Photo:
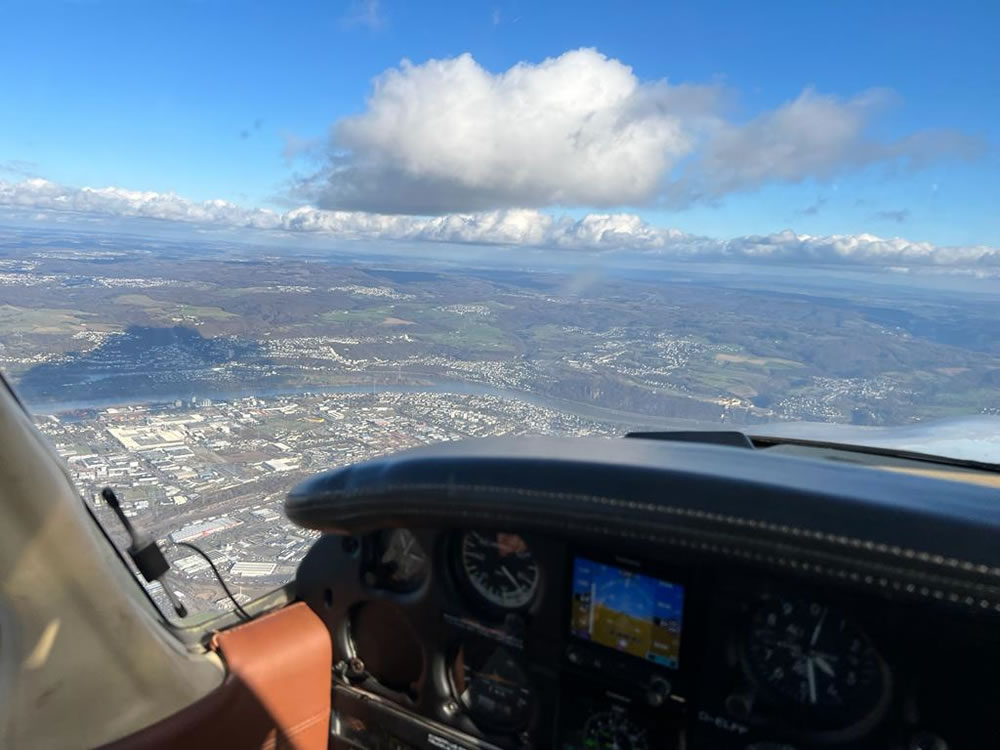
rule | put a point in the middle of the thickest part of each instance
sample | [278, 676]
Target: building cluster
[214, 473]
[833, 399]
[386, 292]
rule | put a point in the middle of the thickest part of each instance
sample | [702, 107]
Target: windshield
[244, 243]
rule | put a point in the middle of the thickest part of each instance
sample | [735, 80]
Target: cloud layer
[582, 130]
[597, 232]
[448, 135]
[44, 195]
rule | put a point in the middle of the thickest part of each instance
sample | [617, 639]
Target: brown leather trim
[276, 694]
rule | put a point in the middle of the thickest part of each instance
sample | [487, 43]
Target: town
[215, 473]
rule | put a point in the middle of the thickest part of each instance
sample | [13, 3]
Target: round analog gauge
[499, 567]
[492, 686]
[812, 655]
[400, 563]
[613, 730]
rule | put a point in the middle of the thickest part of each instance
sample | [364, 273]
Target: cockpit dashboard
[491, 634]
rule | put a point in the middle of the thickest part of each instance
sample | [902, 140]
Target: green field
[362, 316]
[163, 309]
[15, 320]
[749, 359]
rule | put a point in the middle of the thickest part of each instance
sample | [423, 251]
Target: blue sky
[198, 98]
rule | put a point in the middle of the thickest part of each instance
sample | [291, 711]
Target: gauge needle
[823, 664]
[819, 626]
[506, 572]
[811, 673]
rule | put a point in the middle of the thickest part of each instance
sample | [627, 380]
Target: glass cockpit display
[628, 611]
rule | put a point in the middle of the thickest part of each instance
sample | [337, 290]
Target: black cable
[243, 613]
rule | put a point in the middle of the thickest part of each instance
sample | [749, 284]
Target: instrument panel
[497, 569]
[463, 638]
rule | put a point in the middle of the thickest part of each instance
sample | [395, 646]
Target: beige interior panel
[84, 657]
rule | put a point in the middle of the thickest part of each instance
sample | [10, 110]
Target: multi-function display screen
[627, 611]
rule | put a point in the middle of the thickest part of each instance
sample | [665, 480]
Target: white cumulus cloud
[870, 249]
[447, 135]
[813, 136]
[44, 201]
[42, 194]
[581, 129]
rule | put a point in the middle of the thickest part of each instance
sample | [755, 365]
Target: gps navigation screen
[627, 611]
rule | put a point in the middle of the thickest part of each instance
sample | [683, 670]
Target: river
[587, 411]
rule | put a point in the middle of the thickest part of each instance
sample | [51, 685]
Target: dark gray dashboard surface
[928, 537]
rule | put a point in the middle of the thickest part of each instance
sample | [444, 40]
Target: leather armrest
[276, 693]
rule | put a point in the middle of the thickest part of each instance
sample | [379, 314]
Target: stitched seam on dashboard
[716, 537]
[886, 579]
[784, 529]
[870, 574]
